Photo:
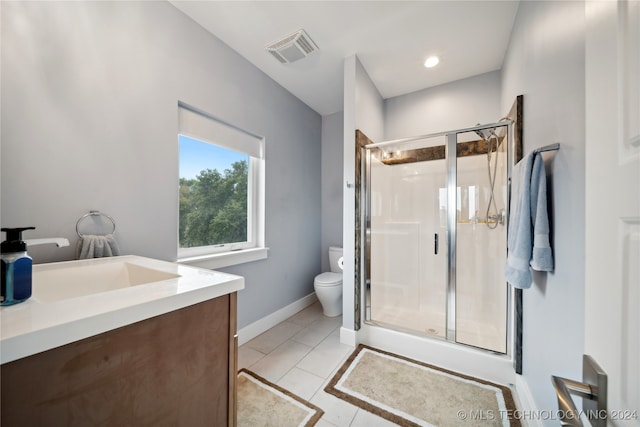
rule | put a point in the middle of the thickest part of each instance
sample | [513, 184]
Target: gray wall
[454, 105]
[89, 121]
[369, 105]
[363, 110]
[332, 185]
[546, 62]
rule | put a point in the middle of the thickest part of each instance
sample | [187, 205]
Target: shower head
[486, 134]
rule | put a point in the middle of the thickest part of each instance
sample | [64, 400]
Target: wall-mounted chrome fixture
[59, 241]
[94, 213]
[593, 391]
[550, 147]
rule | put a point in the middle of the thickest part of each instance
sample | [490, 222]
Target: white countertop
[33, 326]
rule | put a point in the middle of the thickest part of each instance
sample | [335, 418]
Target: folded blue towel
[528, 235]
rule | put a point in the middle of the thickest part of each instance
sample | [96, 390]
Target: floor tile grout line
[326, 340]
[316, 390]
[274, 349]
[311, 348]
[298, 362]
[302, 327]
[289, 370]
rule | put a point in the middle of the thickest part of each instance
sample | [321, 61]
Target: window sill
[226, 259]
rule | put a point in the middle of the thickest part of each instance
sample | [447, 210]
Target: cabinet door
[172, 369]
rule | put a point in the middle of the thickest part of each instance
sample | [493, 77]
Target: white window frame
[202, 126]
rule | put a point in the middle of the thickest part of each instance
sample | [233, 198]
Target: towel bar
[593, 391]
[94, 213]
[550, 147]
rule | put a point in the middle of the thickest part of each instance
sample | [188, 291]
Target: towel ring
[94, 213]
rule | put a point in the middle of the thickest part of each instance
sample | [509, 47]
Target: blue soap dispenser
[16, 267]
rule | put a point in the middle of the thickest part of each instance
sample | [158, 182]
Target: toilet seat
[328, 279]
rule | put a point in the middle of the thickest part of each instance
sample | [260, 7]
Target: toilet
[328, 285]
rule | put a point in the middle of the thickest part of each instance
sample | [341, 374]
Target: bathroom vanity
[159, 347]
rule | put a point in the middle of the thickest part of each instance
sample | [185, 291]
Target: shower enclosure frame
[513, 152]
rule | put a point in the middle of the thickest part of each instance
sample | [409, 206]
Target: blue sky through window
[196, 156]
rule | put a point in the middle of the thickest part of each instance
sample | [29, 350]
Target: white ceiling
[391, 39]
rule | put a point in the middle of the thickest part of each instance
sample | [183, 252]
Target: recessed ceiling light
[431, 61]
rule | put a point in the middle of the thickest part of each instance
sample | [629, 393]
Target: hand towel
[528, 235]
[92, 246]
[541, 257]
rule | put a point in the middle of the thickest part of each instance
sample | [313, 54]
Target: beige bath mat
[411, 393]
[262, 403]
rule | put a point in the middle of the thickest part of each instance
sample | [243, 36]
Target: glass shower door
[407, 268]
[481, 235]
[436, 236]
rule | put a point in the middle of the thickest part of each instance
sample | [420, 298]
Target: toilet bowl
[328, 286]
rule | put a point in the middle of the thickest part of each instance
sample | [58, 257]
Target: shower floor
[427, 321]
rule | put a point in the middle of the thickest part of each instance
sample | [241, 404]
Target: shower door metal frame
[451, 141]
[451, 159]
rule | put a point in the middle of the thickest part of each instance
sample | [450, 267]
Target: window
[221, 212]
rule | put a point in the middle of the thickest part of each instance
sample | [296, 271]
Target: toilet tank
[335, 253]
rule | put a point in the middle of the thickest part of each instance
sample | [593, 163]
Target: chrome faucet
[59, 241]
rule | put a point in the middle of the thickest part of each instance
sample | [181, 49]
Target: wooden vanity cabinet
[176, 369]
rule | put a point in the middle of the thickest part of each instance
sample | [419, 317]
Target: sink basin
[69, 280]
[73, 300]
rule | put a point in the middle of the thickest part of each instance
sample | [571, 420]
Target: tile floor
[302, 354]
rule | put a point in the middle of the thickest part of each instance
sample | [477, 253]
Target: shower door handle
[435, 244]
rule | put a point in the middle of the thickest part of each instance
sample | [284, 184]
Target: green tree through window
[213, 206]
[221, 191]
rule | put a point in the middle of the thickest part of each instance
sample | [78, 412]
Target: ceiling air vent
[292, 48]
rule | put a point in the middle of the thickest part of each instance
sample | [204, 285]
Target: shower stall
[433, 212]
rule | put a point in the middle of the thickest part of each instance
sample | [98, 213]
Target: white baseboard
[526, 404]
[348, 336]
[259, 326]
